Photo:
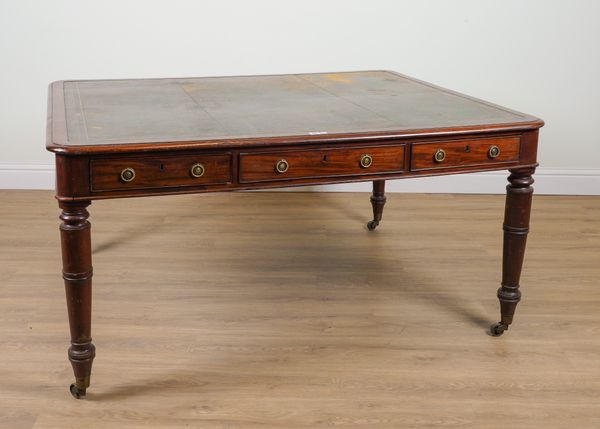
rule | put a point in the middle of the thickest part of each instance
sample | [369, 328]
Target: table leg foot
[498, 329]
[77, 392]
[372, 224]
[377, 201]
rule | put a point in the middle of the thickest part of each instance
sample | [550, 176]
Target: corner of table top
[56, 127]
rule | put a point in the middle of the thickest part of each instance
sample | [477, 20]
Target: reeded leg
[77, 273]
[377, 201]
[516, 227]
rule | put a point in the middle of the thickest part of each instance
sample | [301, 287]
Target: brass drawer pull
[366, 161]
[439, 155]
[127, 175]
[281, 166]
[494, 152]
[197, 170]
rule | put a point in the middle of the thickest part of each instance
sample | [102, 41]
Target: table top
[239, 110]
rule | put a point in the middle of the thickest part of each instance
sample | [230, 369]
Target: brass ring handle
[197, 170]
[494, 152]
[366, 161]
[439, 155]
[282, 166]
[127, 174]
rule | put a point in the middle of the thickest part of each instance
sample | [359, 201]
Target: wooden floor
[280, 310]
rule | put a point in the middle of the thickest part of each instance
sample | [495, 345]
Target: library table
[147, 137]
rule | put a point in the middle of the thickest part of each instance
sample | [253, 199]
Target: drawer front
[159, 172]
[464, 153]
[300, 164]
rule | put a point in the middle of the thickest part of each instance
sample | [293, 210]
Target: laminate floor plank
[280, 310]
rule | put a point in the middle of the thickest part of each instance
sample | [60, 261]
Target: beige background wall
[541, 57]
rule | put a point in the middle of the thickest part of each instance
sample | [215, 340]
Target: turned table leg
[516, 226]
[77, 273]
[377, 201]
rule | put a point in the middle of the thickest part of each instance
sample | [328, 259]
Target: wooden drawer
[159, 171]
[314, 163]
[464, 153]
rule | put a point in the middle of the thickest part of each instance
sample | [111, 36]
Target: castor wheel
[498, 329]
[77, 392]
[372, 224]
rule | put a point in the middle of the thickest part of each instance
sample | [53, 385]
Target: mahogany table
[133, 138]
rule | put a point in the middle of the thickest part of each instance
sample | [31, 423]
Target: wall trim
[26, 176]
[548, 181]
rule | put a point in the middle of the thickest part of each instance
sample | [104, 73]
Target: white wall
[537, 56]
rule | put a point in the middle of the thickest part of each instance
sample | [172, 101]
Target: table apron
[122, 175]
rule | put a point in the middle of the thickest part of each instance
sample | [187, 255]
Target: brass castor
[498, 329]
[372, 224]
[77, 392]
